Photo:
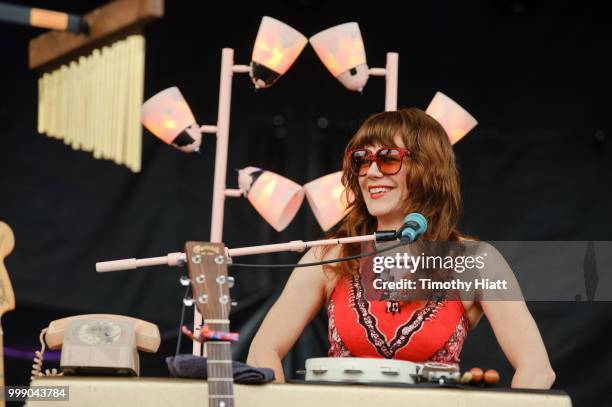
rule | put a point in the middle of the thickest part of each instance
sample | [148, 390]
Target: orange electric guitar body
[7, 297]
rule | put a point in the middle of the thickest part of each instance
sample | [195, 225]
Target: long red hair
[432, 179]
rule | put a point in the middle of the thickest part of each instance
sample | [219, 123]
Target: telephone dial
[98, 344]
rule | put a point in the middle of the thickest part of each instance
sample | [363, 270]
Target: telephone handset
[147, 334]
[99, 344]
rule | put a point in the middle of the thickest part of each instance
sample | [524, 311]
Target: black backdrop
[537, 167]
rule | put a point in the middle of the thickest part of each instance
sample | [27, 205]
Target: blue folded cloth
[194, 367]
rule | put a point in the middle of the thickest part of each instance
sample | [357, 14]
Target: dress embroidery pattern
[404, 332]
[449, 353]
[428, 331]
[337, 348]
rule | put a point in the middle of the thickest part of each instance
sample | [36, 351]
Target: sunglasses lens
[360, 162]
[389, 161]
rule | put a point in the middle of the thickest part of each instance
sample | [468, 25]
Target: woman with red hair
[397, 163]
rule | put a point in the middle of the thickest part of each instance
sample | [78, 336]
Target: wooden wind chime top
[106, 24]
[91, 81]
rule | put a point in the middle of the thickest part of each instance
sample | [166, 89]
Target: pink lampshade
[276, 198]
[341, 50]
[276, 48]
[167, 114]
[456, 120]
[327, 199]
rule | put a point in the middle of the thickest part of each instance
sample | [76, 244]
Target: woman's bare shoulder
[315, 255]
[473, 309]
[328, 278]
[320, 254]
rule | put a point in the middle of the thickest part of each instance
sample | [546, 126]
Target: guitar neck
[220, 374]
[2, 402]
[7, 297]
[210, 286]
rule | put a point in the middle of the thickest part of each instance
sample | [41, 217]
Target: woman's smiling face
[385, 195]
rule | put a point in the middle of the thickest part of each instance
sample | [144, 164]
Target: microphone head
[418, 219]
[415, 225]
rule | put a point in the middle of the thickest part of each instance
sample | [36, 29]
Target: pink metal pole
[223, 122]
[222, 129]
[391, 81]
[390, 72]
[175, 259]
[218, 196]
[377, 71]
[171, 259]
[208, 129]
[295, 246]
[234, 193]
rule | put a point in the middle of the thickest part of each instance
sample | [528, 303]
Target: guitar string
[220, 352]
[226, 346]
[214, 370]
[182, 321]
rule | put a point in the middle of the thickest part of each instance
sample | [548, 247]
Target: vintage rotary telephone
[100, 344]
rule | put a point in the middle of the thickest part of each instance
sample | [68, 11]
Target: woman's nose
[374, 171]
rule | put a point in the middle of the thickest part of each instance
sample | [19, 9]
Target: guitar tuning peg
[234, 303]
[185, 281]
[188, 301]
[230, 281]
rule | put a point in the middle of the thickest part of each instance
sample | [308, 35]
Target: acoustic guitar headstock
[210, 283]
[7, 243]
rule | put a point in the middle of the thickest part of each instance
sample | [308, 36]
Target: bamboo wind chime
[93, 104]
[91, 86]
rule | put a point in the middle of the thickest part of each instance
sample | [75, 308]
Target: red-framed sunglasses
[388, 160]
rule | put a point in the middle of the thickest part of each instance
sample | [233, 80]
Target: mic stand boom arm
[178, 259]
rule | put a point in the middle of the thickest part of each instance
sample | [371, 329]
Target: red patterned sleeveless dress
[420, 331]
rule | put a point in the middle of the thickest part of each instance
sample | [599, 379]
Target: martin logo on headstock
[210, 285]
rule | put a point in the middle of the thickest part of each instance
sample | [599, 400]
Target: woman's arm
[520, 340]
[301, 299]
